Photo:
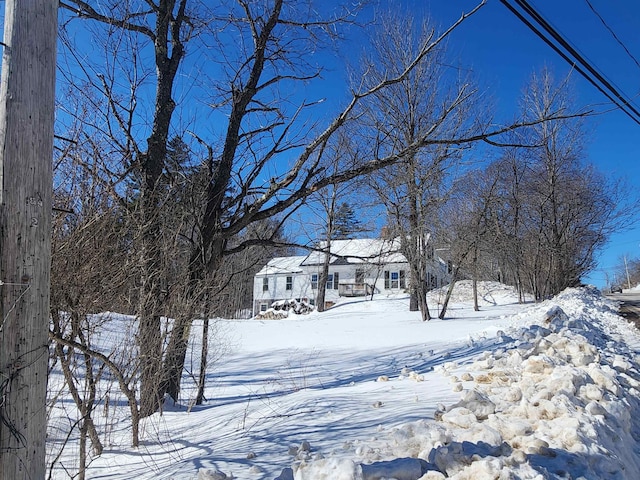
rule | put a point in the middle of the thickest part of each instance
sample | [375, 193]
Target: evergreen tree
[345, 223]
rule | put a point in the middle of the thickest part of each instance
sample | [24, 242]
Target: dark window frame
[395, 279]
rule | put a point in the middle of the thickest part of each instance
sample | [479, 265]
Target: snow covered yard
[368, 391]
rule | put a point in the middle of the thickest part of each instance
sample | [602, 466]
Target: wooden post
[27, 93]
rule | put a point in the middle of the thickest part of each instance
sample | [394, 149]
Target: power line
[612, 33]
[579, 58]
[554, 46]
[577, 55]
[577, 61]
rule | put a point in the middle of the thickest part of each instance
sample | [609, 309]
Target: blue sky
[503, 53]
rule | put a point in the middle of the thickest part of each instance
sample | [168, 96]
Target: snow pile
[557, 399]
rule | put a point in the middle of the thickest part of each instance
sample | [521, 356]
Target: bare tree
[429, 102]
[94, 239]
[626, 272]
[508, 221]
[555, 210]
[468, 230]
[329, 206]
[165, 27]
[84, 392]
[88, 277]
[576, 207]
[327, 202]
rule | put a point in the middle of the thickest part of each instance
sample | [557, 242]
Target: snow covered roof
[282, 265]
[363, 250]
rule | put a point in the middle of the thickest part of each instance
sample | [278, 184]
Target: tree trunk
[169, 52]
[322, 280]
[150, 345]
[175, 356]
[413, 299]
[330, 207]
[203, 359]
[85, 406]
[418, 286]
[445, 304]
[415, 258]
[422, 297]
[27, 94]
[82, 455]
[474, 282]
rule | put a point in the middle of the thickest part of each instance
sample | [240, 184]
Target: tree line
[536, 215]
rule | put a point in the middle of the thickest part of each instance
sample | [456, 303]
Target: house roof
[344, 252]
[353, 251]
[282, 265]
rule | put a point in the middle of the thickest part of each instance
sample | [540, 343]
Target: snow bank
[557, 399]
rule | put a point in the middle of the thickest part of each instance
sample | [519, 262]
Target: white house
[357, 268]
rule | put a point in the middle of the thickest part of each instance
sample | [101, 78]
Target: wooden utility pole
[27, 93]
[626, 268]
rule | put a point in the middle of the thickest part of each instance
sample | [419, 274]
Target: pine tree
[345, 223]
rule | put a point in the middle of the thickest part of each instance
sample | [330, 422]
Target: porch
[354, 289]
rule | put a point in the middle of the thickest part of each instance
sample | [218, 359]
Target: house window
[314, 281]
[289, 285]
[394, 279]
[263, 307]
[359, 275]
[332, 281]
[265, 284]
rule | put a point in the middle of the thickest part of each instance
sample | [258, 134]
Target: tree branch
[83, 9]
